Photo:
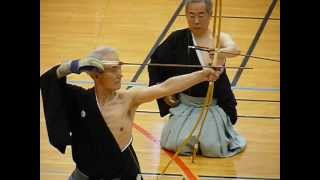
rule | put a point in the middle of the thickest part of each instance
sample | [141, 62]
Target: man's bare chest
[116, 114]
[118, 120]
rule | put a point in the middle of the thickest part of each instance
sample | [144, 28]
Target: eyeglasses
[201, 16]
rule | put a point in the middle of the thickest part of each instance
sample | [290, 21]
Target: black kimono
[73, 118]
[174, 50]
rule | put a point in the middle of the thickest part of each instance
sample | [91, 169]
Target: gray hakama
[217, 139]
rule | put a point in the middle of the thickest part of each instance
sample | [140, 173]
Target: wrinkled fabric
[218, 137]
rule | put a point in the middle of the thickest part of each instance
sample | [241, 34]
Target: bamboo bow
[208, 99]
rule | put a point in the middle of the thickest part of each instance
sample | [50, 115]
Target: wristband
[74, 67]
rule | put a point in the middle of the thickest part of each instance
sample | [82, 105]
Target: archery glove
[78, 66]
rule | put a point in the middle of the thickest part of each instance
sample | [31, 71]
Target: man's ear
[93, 75]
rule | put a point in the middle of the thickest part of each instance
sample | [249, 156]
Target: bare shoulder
[124, 97]
[227, 40]
[123, 94]
[130, 96]
[225, 35]
[133, 92]
[140, 95]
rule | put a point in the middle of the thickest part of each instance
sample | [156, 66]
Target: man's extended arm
[173, 85]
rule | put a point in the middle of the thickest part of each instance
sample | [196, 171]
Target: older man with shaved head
[97, 122]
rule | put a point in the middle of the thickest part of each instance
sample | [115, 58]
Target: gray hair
[101, 52]
[208, 4]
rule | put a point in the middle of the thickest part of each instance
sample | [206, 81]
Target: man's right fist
[86, 64]
[77, 66]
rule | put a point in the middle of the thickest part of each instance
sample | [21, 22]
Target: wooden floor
[72, 28]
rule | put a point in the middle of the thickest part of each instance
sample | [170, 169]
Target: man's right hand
[86, 64]
[77, 66]
[171, 100]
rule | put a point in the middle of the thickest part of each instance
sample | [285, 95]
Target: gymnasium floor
[71, 29]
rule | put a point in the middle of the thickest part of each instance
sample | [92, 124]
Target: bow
[214, 62]
[196, 130]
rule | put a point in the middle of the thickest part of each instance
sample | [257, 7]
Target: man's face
[197, 17]
[111, 77]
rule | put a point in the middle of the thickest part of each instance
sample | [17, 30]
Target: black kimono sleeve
[57, 105]
[226, 98]
[164, 54]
